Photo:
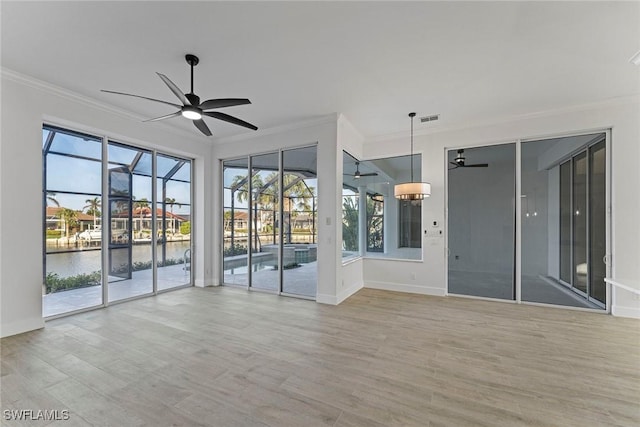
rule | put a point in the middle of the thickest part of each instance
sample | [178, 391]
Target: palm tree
[141, 204]
[51, 197]
[350, 223]
[70, 218]
[171, 202]
[92, 207]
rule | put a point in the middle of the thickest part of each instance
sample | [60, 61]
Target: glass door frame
[250, 206]
[518, 213]
[570, 159]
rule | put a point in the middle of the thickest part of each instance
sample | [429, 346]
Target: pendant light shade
[412, 190]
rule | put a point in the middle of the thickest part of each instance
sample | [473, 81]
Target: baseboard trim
[337, 299]
[621, 311]
[204, 283]
[402, 287]
[15, 328]
[349, 291]
[327, 299]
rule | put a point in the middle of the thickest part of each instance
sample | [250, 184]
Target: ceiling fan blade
[454, 164]
[168, 116]
[230, 119]
[223, 102]
[369, 174]
[477, 165]
[202, 127]
[143, 97]
[176, 91]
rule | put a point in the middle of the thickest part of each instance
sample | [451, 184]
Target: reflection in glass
[565, 222]
[597, 221]
[409, 223]
[481, 223]
[563, 215]
[580, 222]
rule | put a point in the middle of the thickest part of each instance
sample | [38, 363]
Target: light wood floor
[225, 357]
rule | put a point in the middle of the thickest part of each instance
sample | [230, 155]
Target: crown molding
[329, 118]
[611, 102]
[44, 86]
[65, 93]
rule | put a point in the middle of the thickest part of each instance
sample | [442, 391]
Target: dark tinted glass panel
[565, 222]
[580, 266]
[597, 221]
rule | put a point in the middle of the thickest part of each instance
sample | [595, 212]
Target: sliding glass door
[104, 227]
[481, 221]
[583, 222]
[269, 221]
[597, 248]
[264, 224]
[299, 198]
[562, 221]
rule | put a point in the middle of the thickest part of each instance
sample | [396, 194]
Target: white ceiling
[372, 61]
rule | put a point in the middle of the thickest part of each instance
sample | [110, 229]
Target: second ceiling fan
[191, 107]
[358, 174]
[459, 162]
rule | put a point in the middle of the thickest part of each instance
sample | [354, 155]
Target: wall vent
[429, 118]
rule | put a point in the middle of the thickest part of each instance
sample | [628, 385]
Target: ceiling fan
[459, 162]
[191, 107]
[359, 175]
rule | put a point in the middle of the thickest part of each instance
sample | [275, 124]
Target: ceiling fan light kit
[459, 162]
[191, 107]
[412, 190]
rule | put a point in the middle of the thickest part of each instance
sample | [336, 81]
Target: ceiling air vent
[429, 118]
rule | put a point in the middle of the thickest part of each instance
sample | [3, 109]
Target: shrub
[54, 234]
[236, 249]
[185, 227]
[55, 283]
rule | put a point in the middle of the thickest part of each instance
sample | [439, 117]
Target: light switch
[328, 220]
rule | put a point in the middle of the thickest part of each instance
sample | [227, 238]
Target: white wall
[619, 115]
[26, 104]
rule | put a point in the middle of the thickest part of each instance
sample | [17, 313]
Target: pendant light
[412, 190]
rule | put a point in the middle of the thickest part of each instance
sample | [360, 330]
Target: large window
[133, 225]
[409, 224]
[373, 220]
[350, 208]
